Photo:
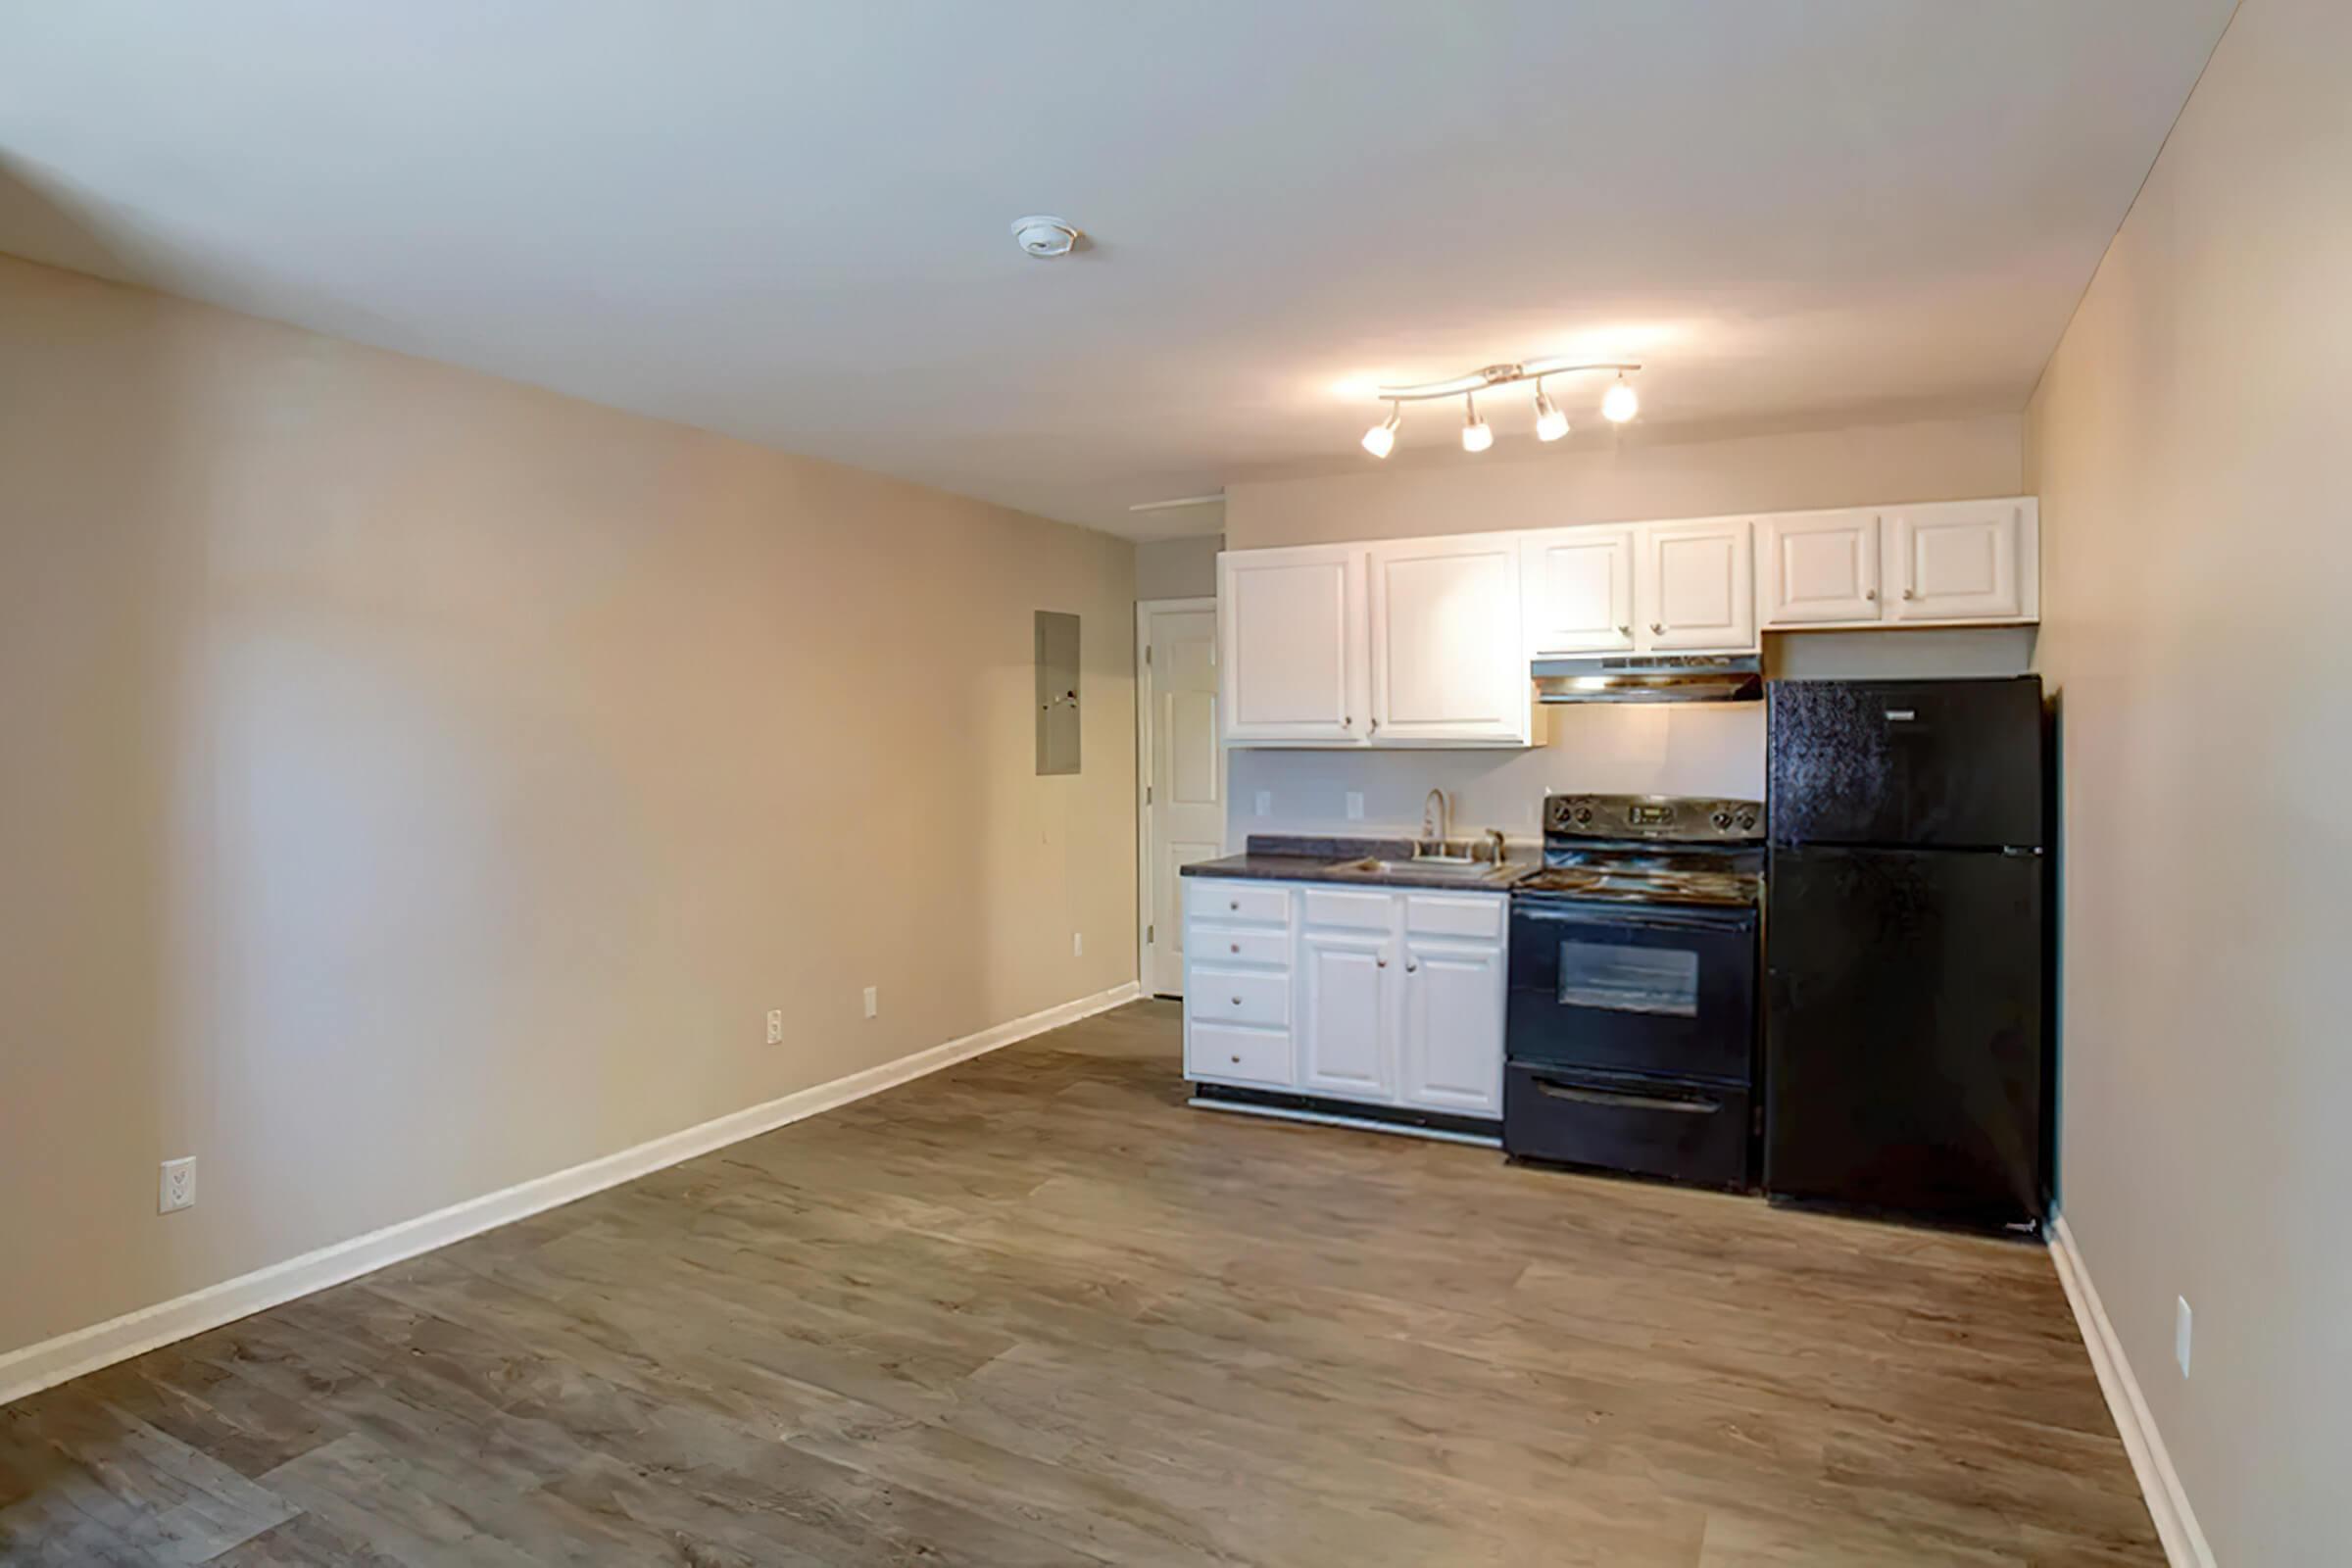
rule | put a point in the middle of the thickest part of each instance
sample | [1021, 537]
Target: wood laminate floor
[1033, 1310]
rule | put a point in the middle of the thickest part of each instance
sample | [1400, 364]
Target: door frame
[1145, 703]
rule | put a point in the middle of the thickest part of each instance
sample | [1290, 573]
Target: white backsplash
[1617, 749]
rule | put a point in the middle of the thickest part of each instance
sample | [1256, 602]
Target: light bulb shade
[1619, 403]
[1476, 435]
[1550, 422]
[1380, 440]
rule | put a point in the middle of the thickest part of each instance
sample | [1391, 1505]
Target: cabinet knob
[1625, 631]
[1382, 962]
[1412, 968]
[1910, 593]
[1656, 629]
[1870, 594]
[1234, 947]
[1376, 727]
[1237, 1062]
[1235, 905]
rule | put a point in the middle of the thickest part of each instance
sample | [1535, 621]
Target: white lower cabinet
[1381, 996]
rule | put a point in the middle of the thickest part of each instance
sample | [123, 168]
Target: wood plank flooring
[1033, 1312]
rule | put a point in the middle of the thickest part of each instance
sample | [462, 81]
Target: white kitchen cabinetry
[1965, 560]
[1818, 568]
[1448, 664]
[1388, 997]
[1579, 586]
[1952, 563]
[1407, 643]
[1695, 587]
[1292, 658]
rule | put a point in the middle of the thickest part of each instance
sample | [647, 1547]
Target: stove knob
[1584, 814]
[1723, 820]
[1747, 821]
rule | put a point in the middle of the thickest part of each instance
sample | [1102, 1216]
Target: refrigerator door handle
[2021, 852]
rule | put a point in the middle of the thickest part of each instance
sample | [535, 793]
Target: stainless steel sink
[1451, 870]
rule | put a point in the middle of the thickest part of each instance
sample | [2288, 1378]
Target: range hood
[1650, 678]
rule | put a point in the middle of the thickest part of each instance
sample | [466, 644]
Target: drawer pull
[1235, 947]
[1235, 905]
[1237, 1062]
[1599, 1096]
[1237, 1002]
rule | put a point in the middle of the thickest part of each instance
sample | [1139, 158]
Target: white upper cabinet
[1965, 560]
[1579, 591]
[1447, 663]
[1292, 659]
[1695, 587]
[1818, 568]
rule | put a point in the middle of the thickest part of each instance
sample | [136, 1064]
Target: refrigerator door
[1904, 1032]
[1914, 761]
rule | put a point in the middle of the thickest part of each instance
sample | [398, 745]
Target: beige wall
[1686, 750]
[1178, 568]
[2188, 443]
[1647, 477]
[413, 783]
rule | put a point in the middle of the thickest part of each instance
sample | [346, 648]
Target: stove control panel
[1681, 817]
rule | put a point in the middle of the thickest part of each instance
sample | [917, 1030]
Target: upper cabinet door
[1578, 590]
[1290, 643]
[1965, 561]
[1447, 663]
[1697, 587]
[1819, 568]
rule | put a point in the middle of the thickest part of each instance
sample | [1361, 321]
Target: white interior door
[1183, 772]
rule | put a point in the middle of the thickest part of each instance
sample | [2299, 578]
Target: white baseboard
[69, 1355]
[2168, 1504]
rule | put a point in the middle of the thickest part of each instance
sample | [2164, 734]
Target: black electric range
[1631, 1039]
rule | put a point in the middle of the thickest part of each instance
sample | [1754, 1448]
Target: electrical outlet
[873, 1001]
[2181, 1325]
[775, 1026]
[178, 1187]
[1077, 944]
[1355, 805]
[1266, 803]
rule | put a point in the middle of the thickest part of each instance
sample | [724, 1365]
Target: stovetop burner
[1651, 849]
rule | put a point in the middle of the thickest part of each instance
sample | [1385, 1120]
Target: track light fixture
[1477, 434]
[1619, 405]
[1550, 422]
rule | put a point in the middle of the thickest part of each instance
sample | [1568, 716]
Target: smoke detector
[1044, 238]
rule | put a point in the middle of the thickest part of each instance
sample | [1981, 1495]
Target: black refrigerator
[1905, 1039]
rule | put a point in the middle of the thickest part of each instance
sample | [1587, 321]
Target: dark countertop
[1286, 858]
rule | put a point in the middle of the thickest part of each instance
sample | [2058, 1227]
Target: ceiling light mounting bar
[1495, 375]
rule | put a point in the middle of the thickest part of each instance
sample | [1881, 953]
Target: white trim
[1330, 1118]
[69, 1356]
[2168, 1503]
[1145, 703]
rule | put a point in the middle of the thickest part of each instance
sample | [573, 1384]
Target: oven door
[1633, 988]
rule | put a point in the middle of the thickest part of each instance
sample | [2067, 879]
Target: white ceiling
[788, 222]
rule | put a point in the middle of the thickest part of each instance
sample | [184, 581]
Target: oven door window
[1621, 979]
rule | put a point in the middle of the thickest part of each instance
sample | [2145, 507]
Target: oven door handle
[1730, 923]
[1556, 1090]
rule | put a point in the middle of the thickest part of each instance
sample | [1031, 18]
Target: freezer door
[1904, 1036]
[1952, 763]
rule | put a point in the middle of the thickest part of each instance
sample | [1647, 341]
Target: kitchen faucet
[1437, 820]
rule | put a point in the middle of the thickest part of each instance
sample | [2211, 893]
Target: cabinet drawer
[1255, 902]
[1477, 917]
[1349, 911]
[1244, 1055]
[1238, 947]
[1238, 996]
